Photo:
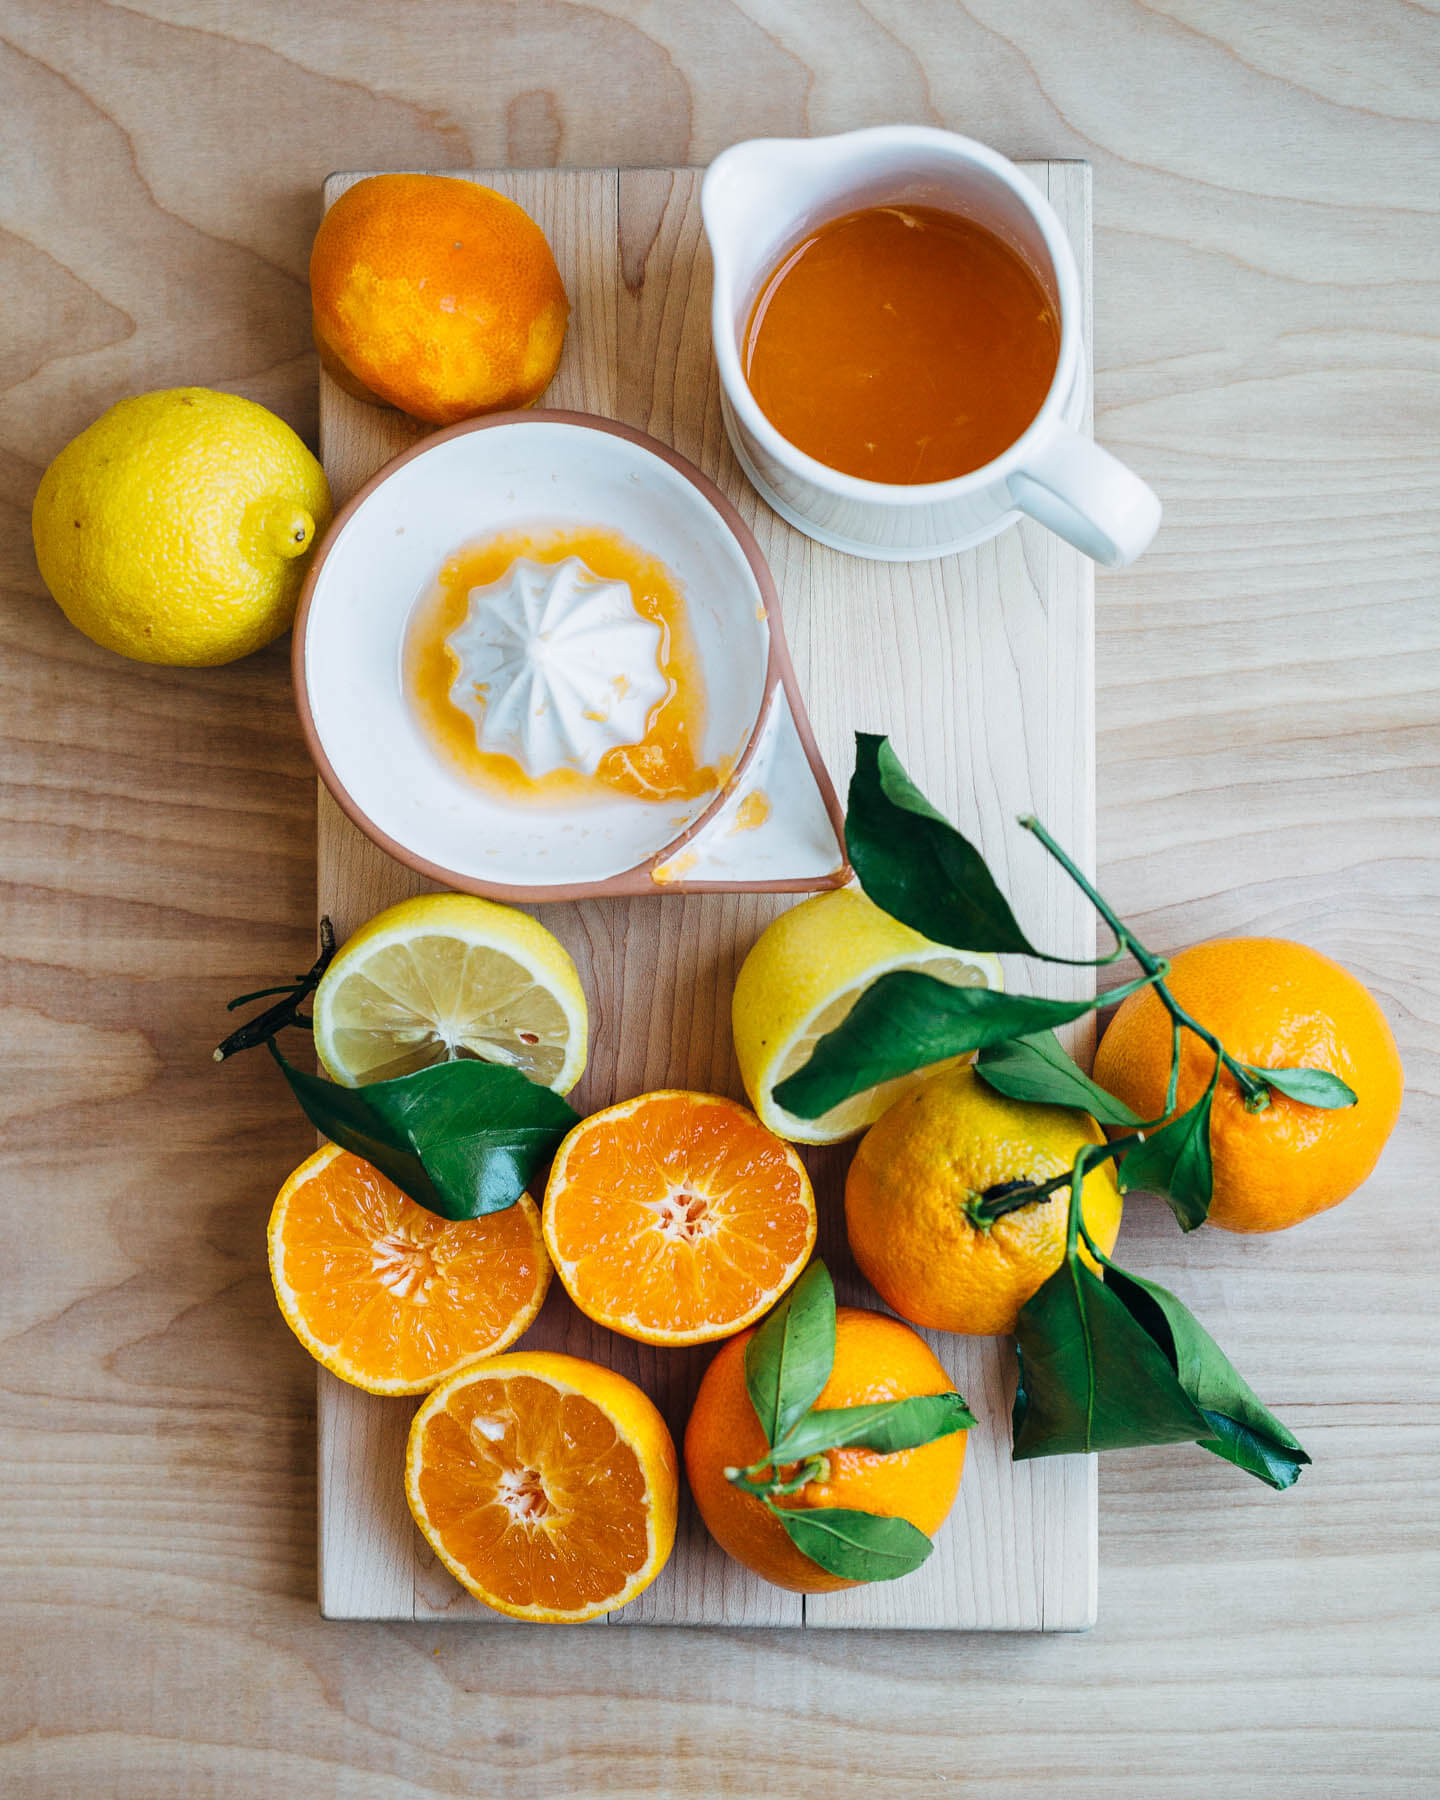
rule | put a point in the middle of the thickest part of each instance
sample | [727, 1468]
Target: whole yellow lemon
[177, 528]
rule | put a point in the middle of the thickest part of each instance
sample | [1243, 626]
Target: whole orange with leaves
[437, 296]
[1272, 1004]
[876, 1358]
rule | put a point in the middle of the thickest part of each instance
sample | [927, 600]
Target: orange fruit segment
[677, 1218]
[388, 1296]
[545, 1484]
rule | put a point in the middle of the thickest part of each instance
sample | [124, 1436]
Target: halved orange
[390, 1297]
[677, 1218]
[546, 1485]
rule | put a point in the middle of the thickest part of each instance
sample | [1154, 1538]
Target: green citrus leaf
[856, 1545]
[1175, 1163]
[914, 863]
[905, 1021]
[1036, 1068]
[790, 1357]
[462, 1138]
[1258, 1453]
[885, 1426]
[1311, 1087]
[1090, 1377]
[1242, 1430]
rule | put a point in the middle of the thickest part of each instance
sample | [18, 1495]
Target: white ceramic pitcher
[760, 198]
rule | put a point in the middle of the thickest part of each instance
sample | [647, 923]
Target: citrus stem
[1090, 1157]
[1172, 1086]
[982, 1210]
[1256, 1094]
[1004, 1197]
[286, 987]
[814, 1468]
[1100, 1257]
[1075, 1210]
[263, 1027]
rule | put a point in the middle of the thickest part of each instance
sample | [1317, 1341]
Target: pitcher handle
[1088, 497]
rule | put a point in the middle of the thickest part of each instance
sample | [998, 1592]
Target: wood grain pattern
[998, 644]
[1265, 187]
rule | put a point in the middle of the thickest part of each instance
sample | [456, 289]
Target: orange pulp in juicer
[664, 765]
[901, 344]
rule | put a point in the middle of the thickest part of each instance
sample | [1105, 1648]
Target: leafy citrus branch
[1257, 1095]
[915, 864]
[1112, 1361]
[460, 1138]
[266, 1026]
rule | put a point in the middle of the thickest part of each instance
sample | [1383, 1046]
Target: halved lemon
[803, 975]
[546, 1485]
[445, 976]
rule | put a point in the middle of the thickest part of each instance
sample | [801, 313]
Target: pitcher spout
[758, 197]
[748, 200]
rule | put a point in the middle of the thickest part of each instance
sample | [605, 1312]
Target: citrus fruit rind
[443, 976]
[390, 1297]
[546, 1485]
[800, 980]
[436, 295]
[676, 1217]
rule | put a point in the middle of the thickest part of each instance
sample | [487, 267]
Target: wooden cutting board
[981, 668]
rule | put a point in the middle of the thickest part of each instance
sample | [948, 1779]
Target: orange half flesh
[545, 1484]
[677, 1218]
[391, 1297]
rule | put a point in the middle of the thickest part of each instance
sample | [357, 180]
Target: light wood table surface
[1266, 296]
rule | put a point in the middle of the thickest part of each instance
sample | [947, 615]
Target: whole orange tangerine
[914, 1192]
[876, 1358]
[436, 295]
[1273, 1004]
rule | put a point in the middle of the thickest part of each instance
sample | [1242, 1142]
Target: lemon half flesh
[447, 976]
